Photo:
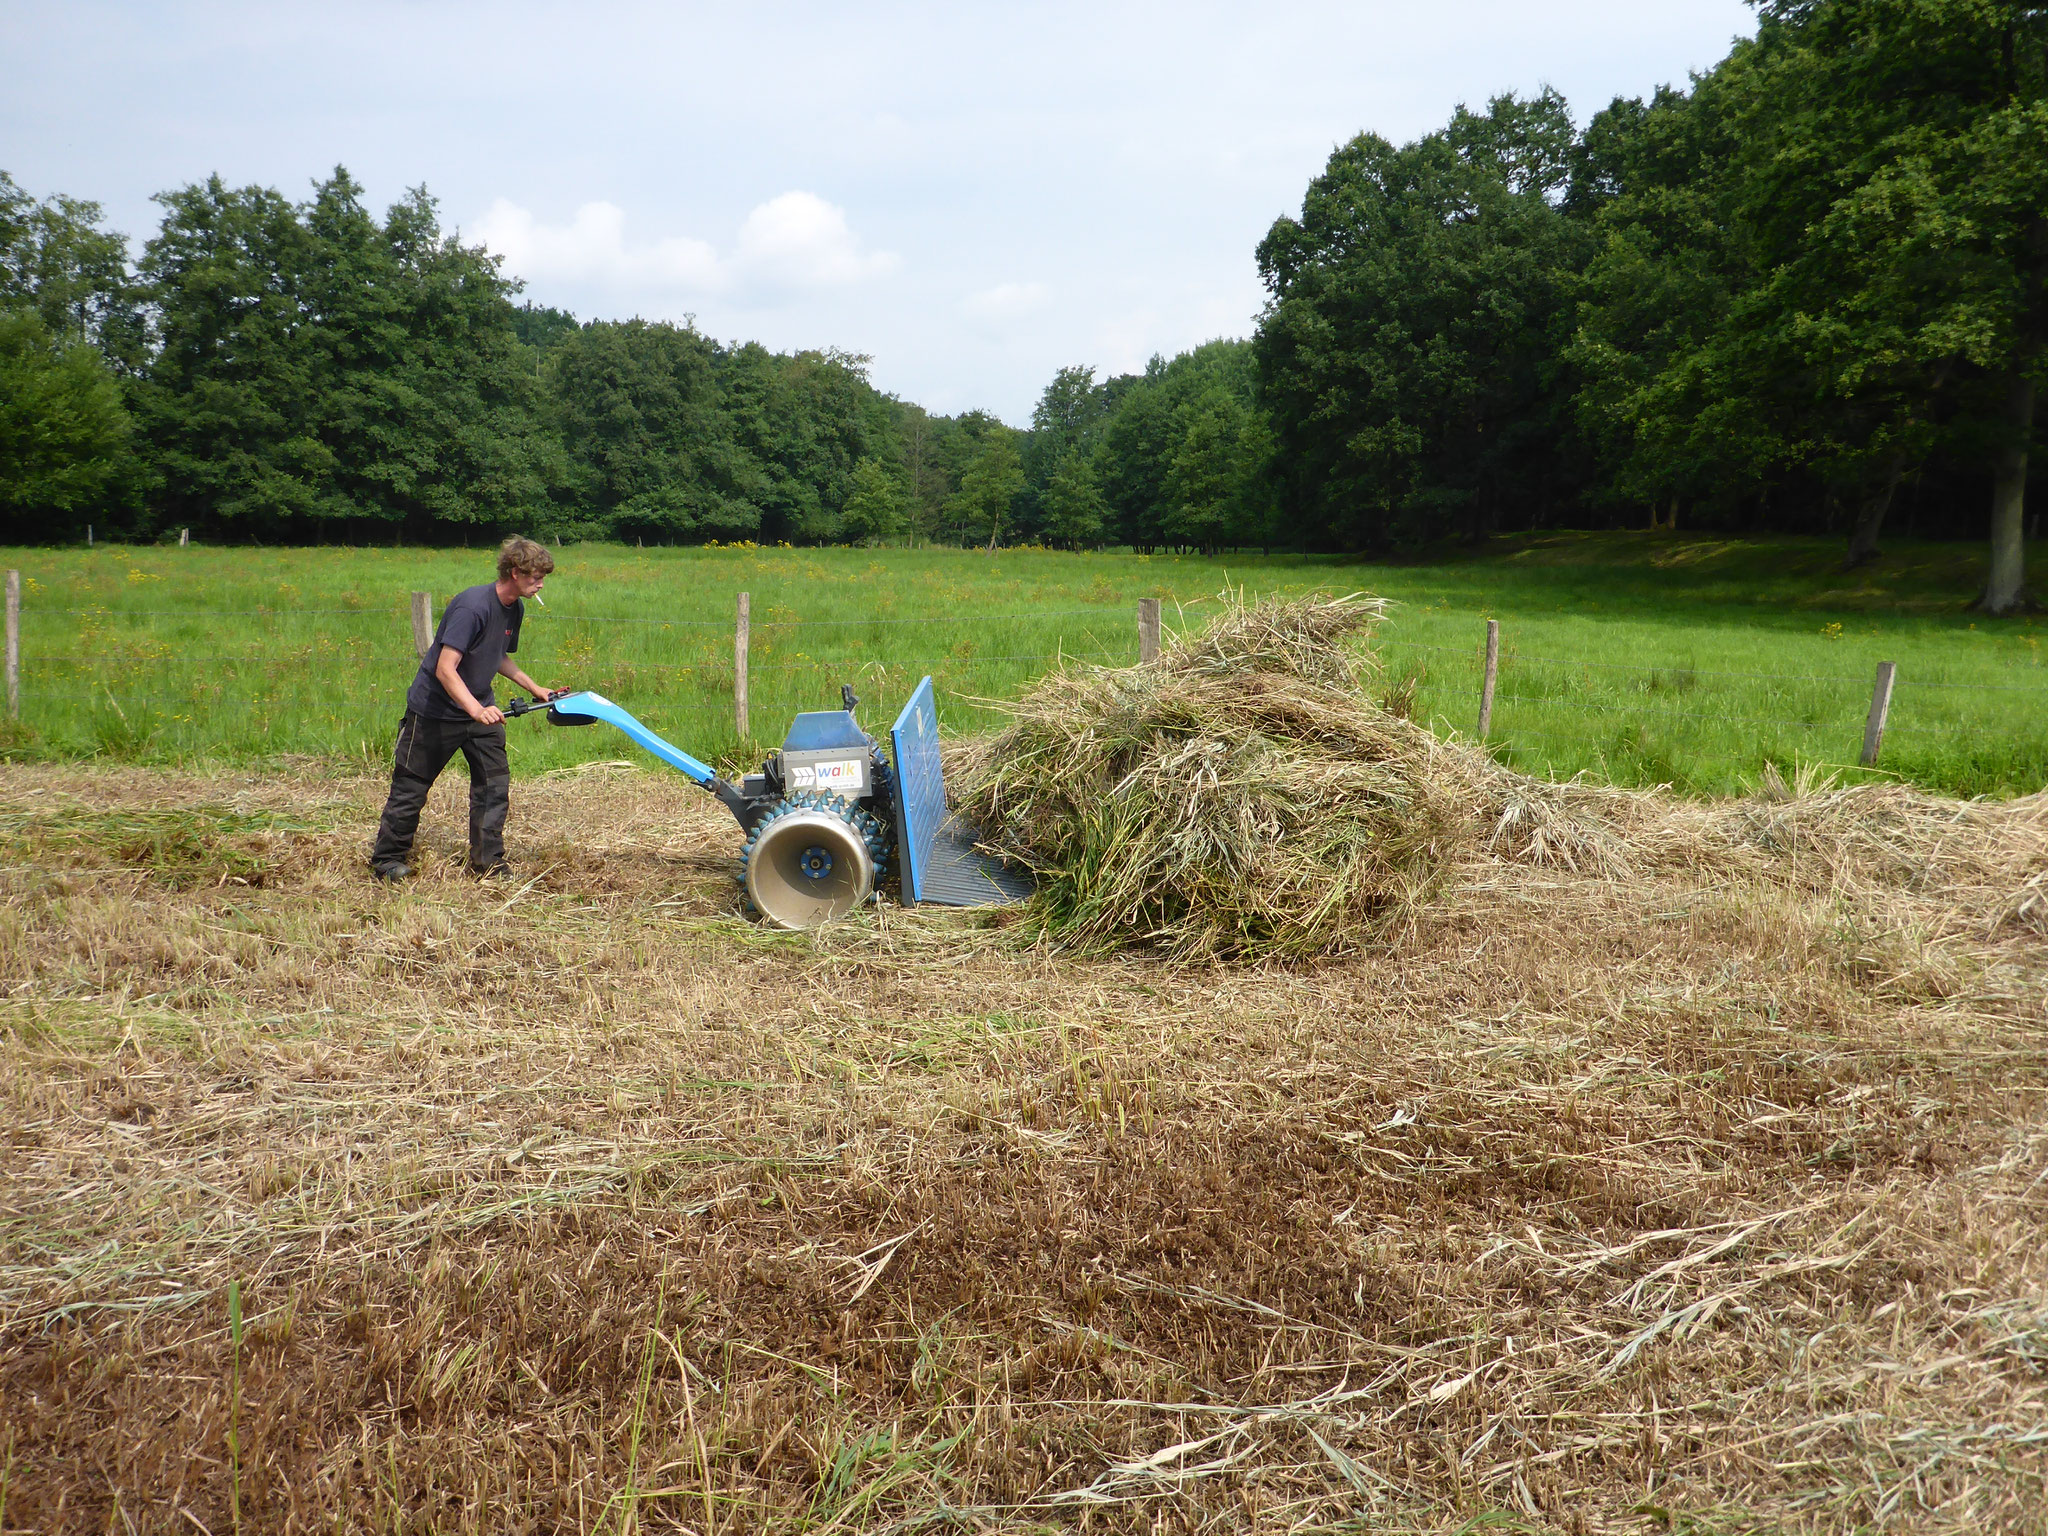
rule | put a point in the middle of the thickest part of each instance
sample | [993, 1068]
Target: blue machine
[822, 813]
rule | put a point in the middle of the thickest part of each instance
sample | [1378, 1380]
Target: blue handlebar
[595, 706]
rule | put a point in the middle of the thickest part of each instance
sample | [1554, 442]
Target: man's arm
[508, 668]
[458, 690]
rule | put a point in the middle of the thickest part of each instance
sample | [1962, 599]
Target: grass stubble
[1672, 1165]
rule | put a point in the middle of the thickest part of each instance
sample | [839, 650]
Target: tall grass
[1637, 658]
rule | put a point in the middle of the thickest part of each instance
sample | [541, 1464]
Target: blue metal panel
[920, 785]
[937, 853]
[595, 706]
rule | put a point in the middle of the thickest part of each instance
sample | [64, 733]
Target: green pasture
[1637, 658]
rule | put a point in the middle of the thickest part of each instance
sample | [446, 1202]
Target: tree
[225, 405]
[1183, 453]
[806, 419]
[920, 435]
[542, 327]
[422, 395]
[56, 259]
[1824, 267]
[650, 456]
[1075, 514]
[64, 437]
[875, 509]
[1415, 311]
[1215, 481]
[1131, 459]
[1663, 401]
[68, 321]
[1067, 420]
[990, 482]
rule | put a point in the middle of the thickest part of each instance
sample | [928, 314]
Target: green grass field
[1636, 658]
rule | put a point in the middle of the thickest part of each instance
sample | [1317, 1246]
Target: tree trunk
[1870, 516]
[2006, 589]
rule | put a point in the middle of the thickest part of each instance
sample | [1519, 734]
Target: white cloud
[1006, 301]
[592, 247]
[797, 240]
[800, 239]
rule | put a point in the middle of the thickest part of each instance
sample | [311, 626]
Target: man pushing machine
[450, 709]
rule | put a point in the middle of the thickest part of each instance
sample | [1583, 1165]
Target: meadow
[1662, 1162]
[1633, 658]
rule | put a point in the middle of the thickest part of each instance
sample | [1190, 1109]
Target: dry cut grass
[1673, 1168]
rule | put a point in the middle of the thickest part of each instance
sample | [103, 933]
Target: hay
[1711, 1177]
[1240, 796]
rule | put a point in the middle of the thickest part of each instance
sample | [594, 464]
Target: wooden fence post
[14, 645]
[1880, 706]
[422, 622]
[1148, 629]
[1492, 672]
[184, 537]
[739, 671]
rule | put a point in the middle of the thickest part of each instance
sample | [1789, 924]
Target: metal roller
[807, 865]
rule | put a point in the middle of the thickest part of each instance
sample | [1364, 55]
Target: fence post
[422, 622]
[1148, 629]
[1880, 706]
[184, 537]
[1492, 672]
[14, 645]
[739, 671]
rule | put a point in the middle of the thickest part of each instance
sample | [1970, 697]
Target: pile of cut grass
[1240, 796]
[1252, 794]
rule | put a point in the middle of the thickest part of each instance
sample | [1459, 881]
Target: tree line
[1806, 292]
[309, 372]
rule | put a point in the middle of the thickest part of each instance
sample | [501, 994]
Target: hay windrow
[1238, 797]
[1248, 796]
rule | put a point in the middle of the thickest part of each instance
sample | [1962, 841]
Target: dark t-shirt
[486, 632]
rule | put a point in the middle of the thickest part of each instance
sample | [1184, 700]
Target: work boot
[392, 872]
[498, 871]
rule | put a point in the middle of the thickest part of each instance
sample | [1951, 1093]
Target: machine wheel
[812, 858]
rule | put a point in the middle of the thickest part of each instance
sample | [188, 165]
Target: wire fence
[190, 679]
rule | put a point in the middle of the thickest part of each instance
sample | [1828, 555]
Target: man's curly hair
[524, 556]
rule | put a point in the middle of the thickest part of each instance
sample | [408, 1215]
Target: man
[450, 709]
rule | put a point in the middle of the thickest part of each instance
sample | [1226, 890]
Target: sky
[972, 195]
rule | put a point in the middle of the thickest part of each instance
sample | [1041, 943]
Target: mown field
[1634, 658]
[1711, 1197]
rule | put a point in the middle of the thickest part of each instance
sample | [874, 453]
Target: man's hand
[508, 668]
[490, 714]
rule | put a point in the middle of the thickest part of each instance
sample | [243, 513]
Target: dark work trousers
[425, 746]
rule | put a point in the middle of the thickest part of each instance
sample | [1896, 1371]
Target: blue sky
[975, 195]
